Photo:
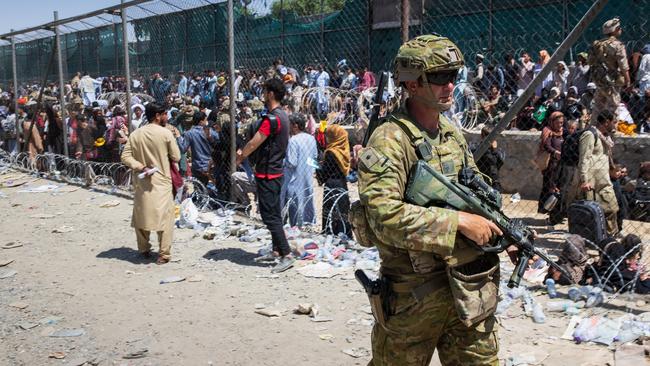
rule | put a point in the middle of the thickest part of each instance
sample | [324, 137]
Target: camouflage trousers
[606, 98]
[414, 330]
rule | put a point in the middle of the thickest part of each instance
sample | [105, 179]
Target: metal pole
[490, 25]
[64, 125]
[14, 67]
[233, 97]
[281, 31]
[559, 54]
[127, 68]
[406, 12]
[322, 33]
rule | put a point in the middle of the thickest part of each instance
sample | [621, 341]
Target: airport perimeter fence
[131, 41]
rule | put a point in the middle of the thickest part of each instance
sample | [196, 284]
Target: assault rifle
[376, 108]
[471, 194]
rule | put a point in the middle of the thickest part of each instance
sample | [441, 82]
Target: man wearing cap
[609, 68]
[587, 98]
[479, 73]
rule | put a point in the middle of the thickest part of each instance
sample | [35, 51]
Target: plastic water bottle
[595, 297]
[574, 293]
[563, 305]
[550, 287]
[630, 331]
[538, 314]
[528, 303]
[504, 304]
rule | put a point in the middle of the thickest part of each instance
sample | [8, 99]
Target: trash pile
[323, 256]
[582, 328]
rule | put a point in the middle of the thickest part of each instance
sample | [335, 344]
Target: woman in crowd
[334, 168]
[551, 144]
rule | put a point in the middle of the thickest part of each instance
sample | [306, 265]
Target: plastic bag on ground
[189, 214]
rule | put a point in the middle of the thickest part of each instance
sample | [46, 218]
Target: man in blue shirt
[202, 140]
[182, 84]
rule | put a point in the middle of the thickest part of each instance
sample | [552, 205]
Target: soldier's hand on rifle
[476, 228]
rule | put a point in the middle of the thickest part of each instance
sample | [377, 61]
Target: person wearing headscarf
[332, 172]
[573, 259]
[544, 58]
[561, 77]
[551, 143]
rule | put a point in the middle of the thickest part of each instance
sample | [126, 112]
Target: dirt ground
[91, 278]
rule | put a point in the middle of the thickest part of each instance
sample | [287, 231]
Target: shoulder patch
[371, 160]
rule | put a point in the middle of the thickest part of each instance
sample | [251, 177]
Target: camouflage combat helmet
[426, 54]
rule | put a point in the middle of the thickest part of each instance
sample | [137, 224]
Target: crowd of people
[573, 163]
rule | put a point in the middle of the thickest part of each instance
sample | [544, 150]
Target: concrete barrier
[519, 173]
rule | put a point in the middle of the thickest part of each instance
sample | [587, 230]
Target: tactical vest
[447, 155]
[603, 63]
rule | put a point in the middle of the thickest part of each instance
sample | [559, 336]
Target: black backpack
[571, 147]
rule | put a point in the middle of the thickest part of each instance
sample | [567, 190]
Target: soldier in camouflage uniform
[609, 69]
[417, 244]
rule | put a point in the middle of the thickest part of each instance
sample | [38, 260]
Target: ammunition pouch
[360, 225]
[475, 288]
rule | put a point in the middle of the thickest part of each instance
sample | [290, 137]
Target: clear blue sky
[29, 13]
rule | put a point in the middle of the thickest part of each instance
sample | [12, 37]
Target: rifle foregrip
[519, 271]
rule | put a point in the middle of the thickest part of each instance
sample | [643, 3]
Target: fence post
[14, 67]
[490, 25]
[558, 55]
[322, 33]
[127, 68]
[57, 39]
[233, 97]
[406, 10]
[281, 29]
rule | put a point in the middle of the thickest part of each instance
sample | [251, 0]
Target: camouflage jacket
[410, 238]
[608, 62]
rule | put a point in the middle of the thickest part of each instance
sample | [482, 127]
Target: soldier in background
[420, 245]
[609, 69]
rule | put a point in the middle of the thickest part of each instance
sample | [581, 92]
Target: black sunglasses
[442, 78]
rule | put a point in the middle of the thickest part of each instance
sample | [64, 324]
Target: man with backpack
[609, 68]
[594, 157]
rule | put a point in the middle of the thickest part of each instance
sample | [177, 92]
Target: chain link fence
[329, 54]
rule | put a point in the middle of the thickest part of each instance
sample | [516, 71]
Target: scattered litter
[268, 276]
[326, 337]
[19, 305]
[306, 309]
[12, 245]
[515, 198]
[136, 354]
[172, 279]
[319, 270]
[7, 273]
[68, 333]
[321, 319]
[357, 352]
[57, 355]
[27, 325]
[63, 229]
[129, 272]
[521, 360]
[50, 320]
[40, 189]
[268, 312]
[259, 306]
[42, 216]
[111, 203]
[5, 262]
[195, 278]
